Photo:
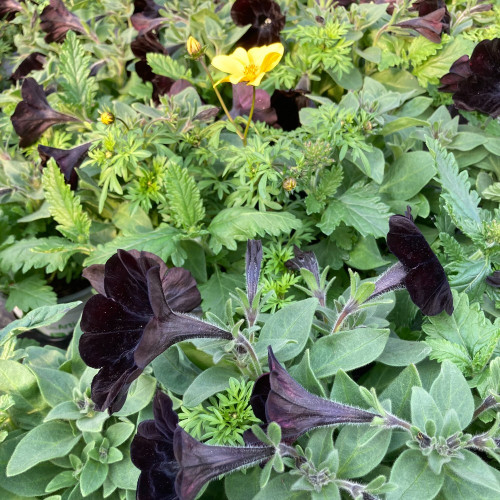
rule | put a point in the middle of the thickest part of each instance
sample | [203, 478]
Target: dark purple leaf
[68, 160]
[265, 18]
[9, 8]
[425, 280]
[57, 20]
[430, 26]
[242, 102]
[33, 115]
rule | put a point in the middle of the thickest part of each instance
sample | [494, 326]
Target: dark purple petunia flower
[431, 25]
[68, 160]
[306, 260]
[295, 409]
[265, 18]
[419, 270]
[33, 115]
[174, 465]
[242, 102]
[146, 15]
[57, 20]
[132, 322]
[9, 8]
[287, 104]
[494, 279]
[34, 62]
[475, 82]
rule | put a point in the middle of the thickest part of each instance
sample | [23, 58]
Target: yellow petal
[258, 54]
[228, 64]
[222, 80]
[241, 55]
[270, 61]
[234, 79]
[256, 81]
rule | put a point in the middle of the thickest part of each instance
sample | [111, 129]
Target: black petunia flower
[146, 15]
[431, 25]
[174, 465]
[131, 321]
[418, 270]
[34, 62]
[9, 8]
[33, 115]
[287, 104]
[265, 18]
[295, 409]
[57, 20]
[494, 279]
[68, 160]
[475, 82]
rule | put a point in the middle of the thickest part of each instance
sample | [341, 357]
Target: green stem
[217, 93]
[250, 350]
[249, 117]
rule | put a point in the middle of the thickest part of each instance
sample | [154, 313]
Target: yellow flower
[193, 46]
[249, 66]
[289, 184]
[107, 118]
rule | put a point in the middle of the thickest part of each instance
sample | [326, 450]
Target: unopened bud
[107, 118]
[289, 184]
[193, 47]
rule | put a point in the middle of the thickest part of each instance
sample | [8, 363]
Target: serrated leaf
[64, 205]
[166, 66]
[243, 223]
[78, 86]
[359, 207]
[461, 202]
[184, 200]
[30, 293]
[467, 332]
[162, 241]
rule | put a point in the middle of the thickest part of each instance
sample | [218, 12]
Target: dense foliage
[288, 211]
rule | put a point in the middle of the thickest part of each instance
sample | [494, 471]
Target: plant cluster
[288, 212]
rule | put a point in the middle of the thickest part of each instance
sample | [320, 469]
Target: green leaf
[321, 445]
[408, 175]
[29, 484]
[118, 433]
[373, 166]
[463, 335]
[56, 386]
[30, 293]
[217, 289]
[162, 242]
[461, 202]
[92, 476]
[293, 322]
[207, 383]
[78, 87]
[166, 66]
[465, 141]
[366, 255]
[184, 199]
[347, 350]
[360, 449]
[279, 488]
[124, 474]
[413, 478]
[451, 391]
[64, 411]
[399, 392]
[140, 394]
[45, 442]
[424, 408]
[64, 205]
[402, 123]
[174, 370]
[304, 375]
[242, 486]
[51, 253]
[242, 223]
[359, 207]
[64, 479]
[399, 352]
[37, 318]
[345, 390]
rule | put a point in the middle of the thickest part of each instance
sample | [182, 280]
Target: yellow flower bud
[107, 118]
[289, 184]
[193, 46]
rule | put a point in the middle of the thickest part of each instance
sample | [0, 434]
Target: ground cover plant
[287, 212]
